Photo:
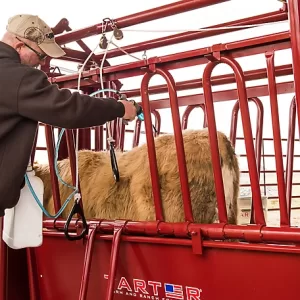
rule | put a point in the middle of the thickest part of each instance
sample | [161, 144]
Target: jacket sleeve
[42, 101]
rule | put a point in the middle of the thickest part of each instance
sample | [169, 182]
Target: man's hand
[130, 110]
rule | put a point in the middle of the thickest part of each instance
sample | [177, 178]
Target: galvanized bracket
[197, 244]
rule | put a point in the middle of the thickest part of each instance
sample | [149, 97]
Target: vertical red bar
[157, 122]
[136, 133]
[294, 21]
[239, 76]
[258, 136]
[213, 139]
[151, 147]
[54, 182]
[87, 262]
[188, 213]
[178, 142]
[290, 155]
[72, 158]
[33, 286]
[234, 120]
[284, 220]
[99, 138]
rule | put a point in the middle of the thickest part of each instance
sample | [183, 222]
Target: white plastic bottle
[23, 224]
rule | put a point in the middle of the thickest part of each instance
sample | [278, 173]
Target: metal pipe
[259, 126]
[32, 276]
[188, 213]
[278, 41]
[226, 95]
[137, 133]
[178, 142]
[192, 35]
[290, 155]
[54, 181]
[213, 139]
[284, 220]
[294, 20]
[187, 113]
[114, 260]
[253, 233]
[151, 147]
[87, 262]
[215, 80]
[258, 136]
[138, 18]
[259, 216]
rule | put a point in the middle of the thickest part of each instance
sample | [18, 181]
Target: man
[27, 97]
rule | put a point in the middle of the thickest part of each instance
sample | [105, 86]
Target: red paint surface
[219, 273]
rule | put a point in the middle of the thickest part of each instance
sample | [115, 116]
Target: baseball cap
[33, 28]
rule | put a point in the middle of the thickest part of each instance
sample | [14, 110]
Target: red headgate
[121, 259]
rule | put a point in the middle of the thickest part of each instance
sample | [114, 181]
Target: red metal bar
[72, 158]
[32, 275]
[294, 13]
[138, 18]
[137, 133]
[187, 113]
[114, 259]
[151, 147]
[254, 91]
[157, 122]
[253, 233]
[259, 128]
[284, 220]
[277, 41]
[87, 261]
[178, 141]
[259, 216]
[215, 158]
[54, 181]
[121, 132]
[3, 265]
[290, 155]
[216, 80]
[99, 138]
[258, 138]
[192, 35]
[34, 146]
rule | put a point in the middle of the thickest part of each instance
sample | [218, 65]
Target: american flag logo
[173, 291]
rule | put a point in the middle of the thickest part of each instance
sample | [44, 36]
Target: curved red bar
[187, 113]
[178, 141]
[290, 155]
[259, 216]
[284, 220]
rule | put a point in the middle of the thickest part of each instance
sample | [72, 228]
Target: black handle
[76, 209]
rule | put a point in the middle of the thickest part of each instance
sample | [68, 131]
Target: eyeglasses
[41, 56]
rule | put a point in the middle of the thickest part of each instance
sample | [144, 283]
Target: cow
[131, 197]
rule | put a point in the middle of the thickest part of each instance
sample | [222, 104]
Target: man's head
[32, 38]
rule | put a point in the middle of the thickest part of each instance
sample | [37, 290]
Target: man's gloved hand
[130, 110]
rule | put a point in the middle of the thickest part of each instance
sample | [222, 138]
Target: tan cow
[131, 197]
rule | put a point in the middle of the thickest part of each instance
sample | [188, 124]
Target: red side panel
[147, 270]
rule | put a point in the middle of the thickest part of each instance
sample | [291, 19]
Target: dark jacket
[26, 97]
